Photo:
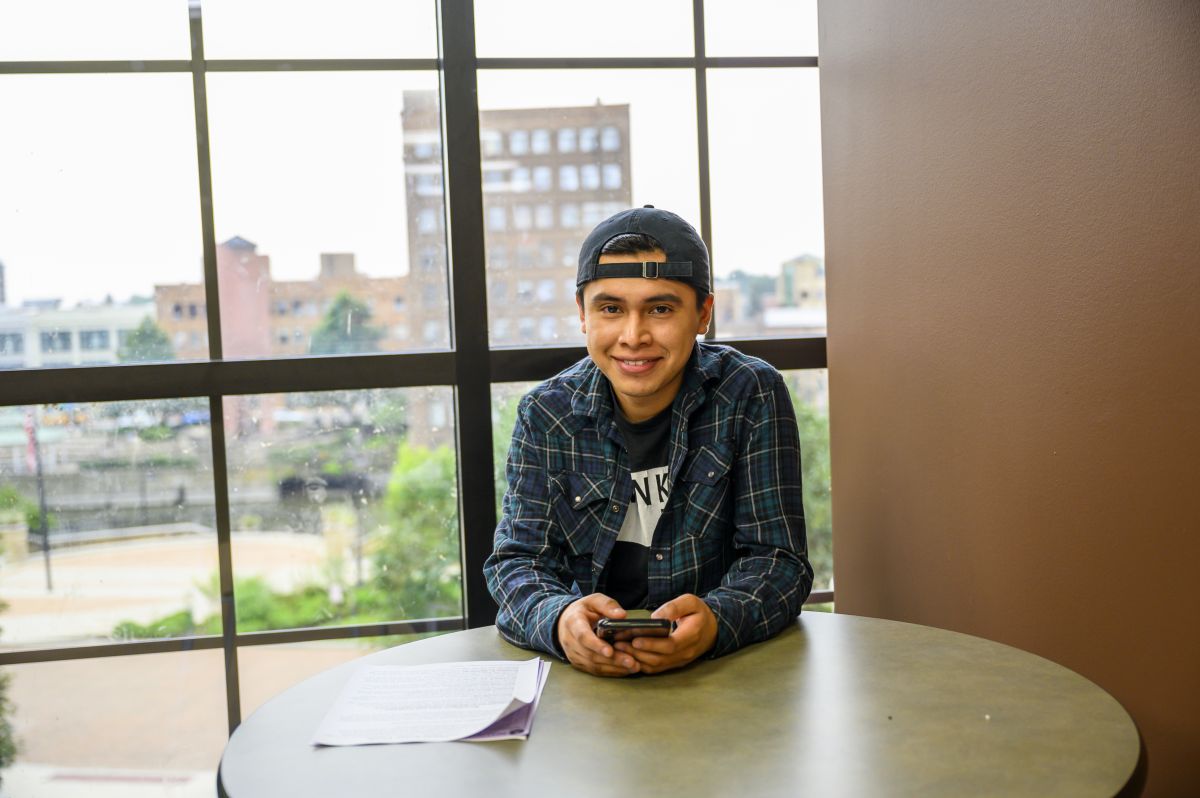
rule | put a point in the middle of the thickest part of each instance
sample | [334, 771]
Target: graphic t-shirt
[646, 443]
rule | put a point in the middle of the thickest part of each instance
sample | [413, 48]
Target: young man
[657, 473]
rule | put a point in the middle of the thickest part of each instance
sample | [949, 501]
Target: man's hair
[634, 244]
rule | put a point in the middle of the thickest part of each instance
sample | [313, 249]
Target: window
[568, 177]
[566, 139]
[612, 175]
[522, 217]
[588, 139]
[91, 340]
[590, 174]
[56, 342]
[329, 209]
[497, 218]
[12, 343]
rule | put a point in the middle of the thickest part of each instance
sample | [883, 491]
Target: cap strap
[649, 269]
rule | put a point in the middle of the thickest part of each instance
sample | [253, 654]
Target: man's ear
[706, 311]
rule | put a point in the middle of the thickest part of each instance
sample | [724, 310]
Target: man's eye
[660, 310]
[609, 309]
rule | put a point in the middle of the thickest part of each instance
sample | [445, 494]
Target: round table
[835, 705]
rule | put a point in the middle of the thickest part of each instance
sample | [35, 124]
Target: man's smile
[636, 366]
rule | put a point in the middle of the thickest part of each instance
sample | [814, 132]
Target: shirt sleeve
[527, 572]
[764, 588]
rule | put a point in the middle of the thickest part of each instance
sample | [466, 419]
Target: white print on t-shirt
[650, 491]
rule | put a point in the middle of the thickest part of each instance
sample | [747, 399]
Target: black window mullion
[702, 140]
[468, 281]
[220, 473]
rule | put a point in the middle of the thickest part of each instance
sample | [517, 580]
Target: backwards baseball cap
[687, 257]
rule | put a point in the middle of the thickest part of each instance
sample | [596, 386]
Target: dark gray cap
[687, 257]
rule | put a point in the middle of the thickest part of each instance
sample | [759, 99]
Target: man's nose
[635, 331]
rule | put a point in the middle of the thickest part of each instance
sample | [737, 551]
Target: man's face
[640, 333]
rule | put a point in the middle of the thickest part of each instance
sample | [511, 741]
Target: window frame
[470, 367]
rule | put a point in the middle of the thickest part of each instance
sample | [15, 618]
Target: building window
[500, 329]
[568, 177]
[546, 254]
[568, 214]
[429, 295]
[589, 175]
[524, 289]
[491, 143]
[499, 291]
[612, 175]
[520, 179]
[545, 290]
[610, 139]
[12, 344]
[177, 311]
[541, 142]
[543, 178]
[431, 331]
[547, 328]
[518, 142]
[522, 217]
[427, 221]
[56, 342]
[544, 217]
[566, 139]
[398, 303]
[587, 139]
[525, 327]
[91, 340]
[497, 221]
[498, 257]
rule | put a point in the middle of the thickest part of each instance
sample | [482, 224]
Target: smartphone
[615, 629]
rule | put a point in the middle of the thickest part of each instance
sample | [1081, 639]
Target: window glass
[346, 29]
[306, 174]
[810, 399]
[760, 27]
[624, 117]
[107, 522]
[343, 507]
[538, 28]
[72, 199]
[566, 139]
[83, 30]
[768, 254]
[77, 734]
[540, 142]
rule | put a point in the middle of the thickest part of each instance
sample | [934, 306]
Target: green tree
[417, 557]
[345, 329]
[146, 343]
[814, 461]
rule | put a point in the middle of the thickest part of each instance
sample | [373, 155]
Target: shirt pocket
[580, 501]
[706, 490]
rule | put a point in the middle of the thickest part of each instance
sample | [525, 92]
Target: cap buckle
[647, 271]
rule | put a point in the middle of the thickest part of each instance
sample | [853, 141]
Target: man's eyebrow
[650, 300]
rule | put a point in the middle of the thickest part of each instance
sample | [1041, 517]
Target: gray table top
[835, 705]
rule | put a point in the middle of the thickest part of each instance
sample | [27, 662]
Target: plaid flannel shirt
[733, 528]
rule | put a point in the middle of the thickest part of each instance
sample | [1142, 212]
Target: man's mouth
[639, 366]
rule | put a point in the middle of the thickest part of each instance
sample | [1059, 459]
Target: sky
[98, 179]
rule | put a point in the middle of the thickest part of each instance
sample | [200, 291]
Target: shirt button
[578, 498]
[615, 508]
[658, 557]
[711, 474]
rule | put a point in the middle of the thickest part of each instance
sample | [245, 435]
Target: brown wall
[1013, 239]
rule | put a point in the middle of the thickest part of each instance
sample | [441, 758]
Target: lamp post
[34, 452]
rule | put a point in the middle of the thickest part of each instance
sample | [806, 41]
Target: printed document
[436, 703]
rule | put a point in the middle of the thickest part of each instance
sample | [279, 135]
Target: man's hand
[579, 642]
[695, 633]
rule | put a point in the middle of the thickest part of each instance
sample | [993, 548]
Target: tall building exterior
[43, 334]
[549, 176]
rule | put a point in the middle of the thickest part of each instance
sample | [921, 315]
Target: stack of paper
[436, 703]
